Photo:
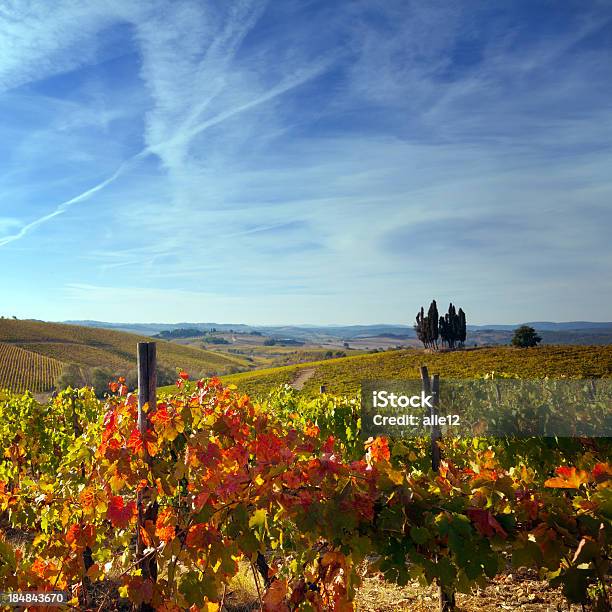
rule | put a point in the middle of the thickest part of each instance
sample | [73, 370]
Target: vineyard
[21, 369]
[45, 347]
[169, 513]
[343, 376]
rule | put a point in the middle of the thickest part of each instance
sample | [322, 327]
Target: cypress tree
[420, 327]
[432, 319]
[450, 329]
[443, 332]
[450, 322]
[462, 327]
[456, 326]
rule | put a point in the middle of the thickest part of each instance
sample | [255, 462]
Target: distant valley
[368, 337]
[38, 355]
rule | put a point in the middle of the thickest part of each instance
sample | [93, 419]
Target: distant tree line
[179, 332]
[283, 342]
[331, 354]
[210, 339]
[75, 375]
[434, 331]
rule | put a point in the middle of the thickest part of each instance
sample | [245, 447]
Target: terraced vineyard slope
[343, 376]
[33, 353]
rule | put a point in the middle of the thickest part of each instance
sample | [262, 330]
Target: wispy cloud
[175, 59]
[317, 148]
[182, 138]
[187, 51]
[66, 205]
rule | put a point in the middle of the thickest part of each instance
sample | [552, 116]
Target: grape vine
[288, 481]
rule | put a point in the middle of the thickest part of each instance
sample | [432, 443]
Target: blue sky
[307, 161]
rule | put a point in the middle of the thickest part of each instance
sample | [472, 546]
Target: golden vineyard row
[22, 370]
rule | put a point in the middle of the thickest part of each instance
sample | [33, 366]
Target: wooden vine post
[147, 509]
[87, 555]
[432, 387]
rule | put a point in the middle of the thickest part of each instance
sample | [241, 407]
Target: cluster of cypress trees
[450, 329]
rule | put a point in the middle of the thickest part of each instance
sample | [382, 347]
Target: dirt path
[301, 377]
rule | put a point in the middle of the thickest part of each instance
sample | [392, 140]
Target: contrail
[64, 206]
[280, 89]
[153, 149]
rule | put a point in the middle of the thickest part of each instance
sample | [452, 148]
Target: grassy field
[34, 352]
[343, 376]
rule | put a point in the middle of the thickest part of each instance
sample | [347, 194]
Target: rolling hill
[21, 369]
[367, 336]
[33, 353]
[343, 376]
